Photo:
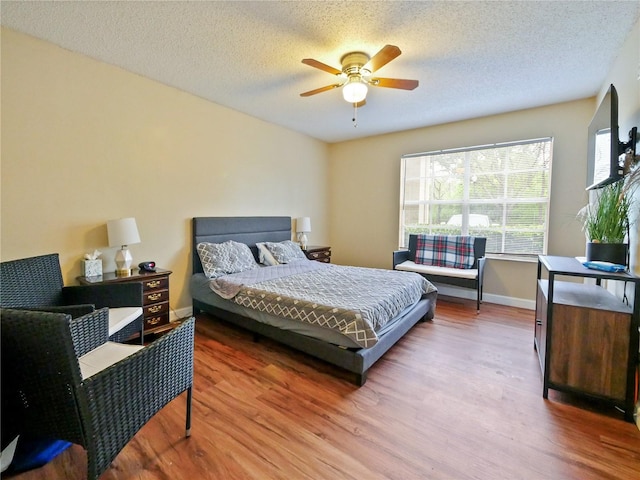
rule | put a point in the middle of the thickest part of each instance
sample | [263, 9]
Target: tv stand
[586, 337]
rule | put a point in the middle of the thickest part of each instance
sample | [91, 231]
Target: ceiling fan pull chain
[355, 115]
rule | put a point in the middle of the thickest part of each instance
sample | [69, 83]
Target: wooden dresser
[155, 295]
[318, 253]
[587, 338]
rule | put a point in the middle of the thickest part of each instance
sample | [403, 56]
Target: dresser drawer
[156, 321]
[155, 296]
[324, 255]
[319, 254]
[155, 284]
[155, 309]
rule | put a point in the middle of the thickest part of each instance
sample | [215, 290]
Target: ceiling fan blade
[384, 56]
[394, 83]
[320, 90]
[322, 66]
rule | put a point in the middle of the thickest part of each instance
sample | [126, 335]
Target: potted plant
[606, 225]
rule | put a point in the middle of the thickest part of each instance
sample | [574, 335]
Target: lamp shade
[303, 224]
[122, 231]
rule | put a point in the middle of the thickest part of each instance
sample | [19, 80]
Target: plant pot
[607, 252]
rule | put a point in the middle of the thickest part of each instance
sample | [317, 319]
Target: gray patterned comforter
[357, 301]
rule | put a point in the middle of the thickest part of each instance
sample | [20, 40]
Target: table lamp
[123, 232]
[303, 226]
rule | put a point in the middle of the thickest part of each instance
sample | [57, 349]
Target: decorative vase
[608, 252]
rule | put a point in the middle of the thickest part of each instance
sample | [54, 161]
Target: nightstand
[155, 295]
[318, 253]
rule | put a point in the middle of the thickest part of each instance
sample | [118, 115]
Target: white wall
[625, 76]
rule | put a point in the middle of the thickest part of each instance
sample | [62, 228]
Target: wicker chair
[36, 283]
[52, 389]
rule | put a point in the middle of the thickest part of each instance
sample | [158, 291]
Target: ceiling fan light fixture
[355, 90]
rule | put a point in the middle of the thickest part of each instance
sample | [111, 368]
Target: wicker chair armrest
[400, 256]
[73, 310]
[105, 295]
[481, 262]
[148, 380]
[90, 331]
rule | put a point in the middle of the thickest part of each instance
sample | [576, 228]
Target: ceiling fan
[356, 74]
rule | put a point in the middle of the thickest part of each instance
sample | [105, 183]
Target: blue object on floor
[32, 453]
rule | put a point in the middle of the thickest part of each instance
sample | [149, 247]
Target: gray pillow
[224, 258]
[285, 252]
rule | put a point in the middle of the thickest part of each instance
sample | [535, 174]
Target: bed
[353, 352]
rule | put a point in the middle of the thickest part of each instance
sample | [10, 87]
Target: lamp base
[123, 272]
[123, 262]
[302, 240]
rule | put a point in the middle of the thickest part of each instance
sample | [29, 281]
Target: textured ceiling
[472, 58]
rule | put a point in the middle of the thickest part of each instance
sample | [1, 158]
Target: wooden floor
[457, 398]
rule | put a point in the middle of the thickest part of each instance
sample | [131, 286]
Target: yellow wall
[364, 187]
[84, 142]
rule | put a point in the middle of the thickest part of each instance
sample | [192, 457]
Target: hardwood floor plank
[457, 398]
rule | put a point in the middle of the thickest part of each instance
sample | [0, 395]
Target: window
[498, 191]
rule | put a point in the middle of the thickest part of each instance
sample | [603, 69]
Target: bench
[470, 277]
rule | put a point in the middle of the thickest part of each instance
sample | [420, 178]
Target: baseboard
[180, 313]
[443, 289]
[467, 293]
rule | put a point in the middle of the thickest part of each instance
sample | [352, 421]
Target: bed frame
[250, 230]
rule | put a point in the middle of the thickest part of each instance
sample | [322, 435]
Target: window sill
[513, 258]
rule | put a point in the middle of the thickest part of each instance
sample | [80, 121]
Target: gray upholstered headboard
[247, 230]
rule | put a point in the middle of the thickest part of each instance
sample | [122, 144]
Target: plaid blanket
[454, 251]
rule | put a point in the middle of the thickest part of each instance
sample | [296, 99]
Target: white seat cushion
[104, 356]
[409, 266]
[121, 317]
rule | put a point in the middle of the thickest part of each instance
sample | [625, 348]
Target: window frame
[465, 202]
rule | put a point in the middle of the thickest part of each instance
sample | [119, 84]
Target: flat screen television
[604, 162]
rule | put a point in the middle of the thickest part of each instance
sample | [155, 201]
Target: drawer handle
[155, 308]
[154, 321]
[153, 284]
[154, 296]
[538, 322]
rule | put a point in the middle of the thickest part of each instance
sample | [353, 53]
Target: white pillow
[224, 258]
[285, 252]
[264, 255]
